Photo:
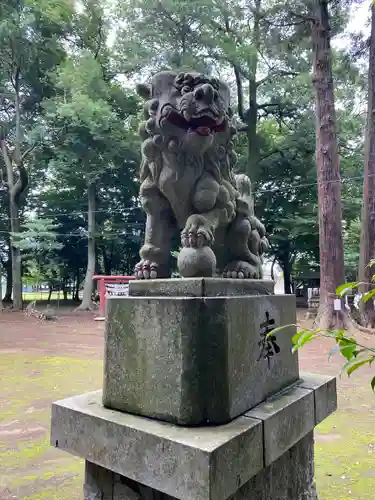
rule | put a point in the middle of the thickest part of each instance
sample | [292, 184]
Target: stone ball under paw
[196, 262]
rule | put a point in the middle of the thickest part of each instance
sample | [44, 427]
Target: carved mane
[157, 147]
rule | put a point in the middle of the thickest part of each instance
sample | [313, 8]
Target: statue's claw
[239, 270]
[197, 233]
[146, 270]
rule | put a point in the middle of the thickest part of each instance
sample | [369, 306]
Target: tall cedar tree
[328, 170]
[367, 251]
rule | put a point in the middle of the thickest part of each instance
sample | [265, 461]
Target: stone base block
[200, 287]
[267, 450]
[290, 477]
[196, 360]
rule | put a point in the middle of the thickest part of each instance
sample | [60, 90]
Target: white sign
[117, 289]
[337, 305]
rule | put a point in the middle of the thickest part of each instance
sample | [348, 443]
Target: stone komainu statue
[188, 182]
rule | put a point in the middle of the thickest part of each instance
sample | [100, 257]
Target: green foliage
[355, 353]
[37, 236]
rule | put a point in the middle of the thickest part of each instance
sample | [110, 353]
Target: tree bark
[65, 288]
[1, 287]
[286, 263]
[77, 282]
[9, 284]
[108, 258]
[253, 150]
[86, 303]
[273, 269]
[15, 190]
[328, 172]
[250, 116]
[287, 280]
[367, 249]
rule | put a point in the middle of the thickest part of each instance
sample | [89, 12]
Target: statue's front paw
[240, 269]
[145, 270]
[198, 232]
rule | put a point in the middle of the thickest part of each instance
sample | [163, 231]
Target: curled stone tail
[243, 185]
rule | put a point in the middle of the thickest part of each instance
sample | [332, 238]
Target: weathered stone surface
[325, 393]
[98, 482]
[208, 463]
[103, 484]
[187, 138]
[290, 477]
[200, 287]
[262, 458]
[287, 417]
[194, 361]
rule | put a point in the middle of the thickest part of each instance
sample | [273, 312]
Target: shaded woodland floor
[45, 361]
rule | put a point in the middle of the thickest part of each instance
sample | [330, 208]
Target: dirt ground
[45, 361]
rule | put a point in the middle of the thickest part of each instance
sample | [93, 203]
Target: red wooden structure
[105, 280]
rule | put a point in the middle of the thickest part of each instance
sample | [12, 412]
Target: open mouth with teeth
[204, 124]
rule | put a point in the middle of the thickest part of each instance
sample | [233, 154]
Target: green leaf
[300, 333]
[367, 296]
[343, 289]
[272, 332]
[297, 336]
[373, 384]
[331, 335]
[347, 348]
[338, 333]
[306, 337]
[356, 363]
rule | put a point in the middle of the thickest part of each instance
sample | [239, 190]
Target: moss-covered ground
[43, 362]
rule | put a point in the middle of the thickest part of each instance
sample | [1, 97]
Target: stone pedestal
[179, 357]
[196, 357]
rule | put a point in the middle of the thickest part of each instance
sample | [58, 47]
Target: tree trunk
[16, 258]
[1, 287]
[367, 249]
[287, 281]
[50, 290]
[252, 119]
[65, 288]
[77, 283]
[86, 303]
[16, 189]
[273, 269]
[250, 116]
[9, 285]
[108, 258]
[328, 171]
[286, 265]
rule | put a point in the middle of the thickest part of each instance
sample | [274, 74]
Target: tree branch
[276, 74]
[27, 151]
[21, 184]
[269, 105]
[8, 162]
[240, 98]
